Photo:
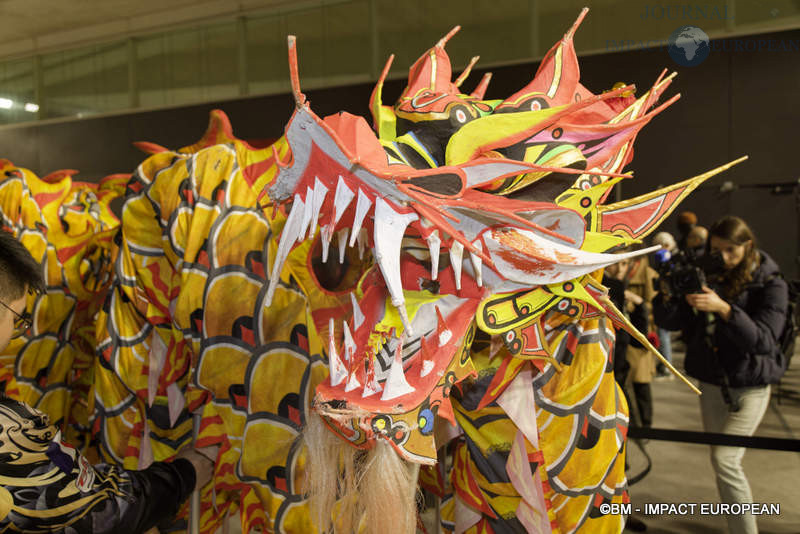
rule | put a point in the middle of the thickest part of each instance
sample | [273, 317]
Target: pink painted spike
[427, 362]
[467, 70]
[376, 99]
[450, 34]
[480, 90]
[577, 23]
[294, 76]
[443, 334]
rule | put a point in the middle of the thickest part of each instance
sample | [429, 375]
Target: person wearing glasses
[47, 485]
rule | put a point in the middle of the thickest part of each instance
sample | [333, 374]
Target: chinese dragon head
[487, 227]
[376, 292]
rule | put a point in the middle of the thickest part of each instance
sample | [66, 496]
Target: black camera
[686, 274]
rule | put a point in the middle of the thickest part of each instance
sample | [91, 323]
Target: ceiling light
[6, 103]
[32, 108]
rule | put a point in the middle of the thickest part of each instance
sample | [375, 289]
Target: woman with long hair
[731, 330]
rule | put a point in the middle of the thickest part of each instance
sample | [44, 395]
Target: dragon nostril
[429, 285]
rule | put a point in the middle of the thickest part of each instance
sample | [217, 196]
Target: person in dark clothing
[731, 335]
[48, 486]
[612, 279]
[696, 241]
[616, 279]
[686, 221]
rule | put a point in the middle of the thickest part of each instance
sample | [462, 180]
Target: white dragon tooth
[396, 384]
[362, 243]
[352, 384]
[342, 198]
[291, 230]
[335, 365]
[427, 367]
[362, 208]
[477, 264]
[456, 255]
[389, 229]
[326, 233]
[434, 246]
[307, 213]
[358, 315]
[349, 344]
[320, 191]
[342, 235]
[371, 385]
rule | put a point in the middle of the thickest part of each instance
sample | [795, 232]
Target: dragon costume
[68, 227]
[343, 304]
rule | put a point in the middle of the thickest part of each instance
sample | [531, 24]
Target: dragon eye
[460, 115]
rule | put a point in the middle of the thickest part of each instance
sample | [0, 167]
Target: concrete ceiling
[35, 26]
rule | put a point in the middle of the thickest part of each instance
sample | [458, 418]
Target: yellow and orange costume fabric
[68, 227]
[433, 275]
[187, 328]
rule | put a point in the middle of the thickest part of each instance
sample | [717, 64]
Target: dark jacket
[616, 292]
[744, 348]
[50, 487]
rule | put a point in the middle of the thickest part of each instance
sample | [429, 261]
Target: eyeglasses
[21, 322]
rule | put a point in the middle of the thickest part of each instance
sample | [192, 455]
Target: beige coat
[641, 282]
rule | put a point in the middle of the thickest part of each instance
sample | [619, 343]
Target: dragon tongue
[390, 225]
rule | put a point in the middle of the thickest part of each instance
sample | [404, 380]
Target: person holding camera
[731, 329]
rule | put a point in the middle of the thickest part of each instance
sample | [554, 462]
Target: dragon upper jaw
[343, 187]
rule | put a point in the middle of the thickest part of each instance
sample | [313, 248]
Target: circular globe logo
[688, 46]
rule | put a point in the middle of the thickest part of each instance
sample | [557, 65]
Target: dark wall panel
[734, 103]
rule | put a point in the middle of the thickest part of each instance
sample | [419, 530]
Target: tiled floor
[681, 472]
